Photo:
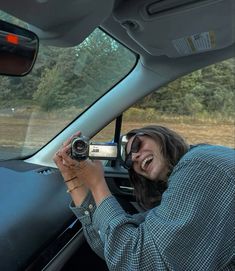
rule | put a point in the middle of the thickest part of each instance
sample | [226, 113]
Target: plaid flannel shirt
[192, 229]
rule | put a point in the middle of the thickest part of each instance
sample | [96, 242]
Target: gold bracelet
[75, 187]
[69, 180]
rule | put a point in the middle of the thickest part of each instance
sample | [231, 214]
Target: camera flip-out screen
[103, 151]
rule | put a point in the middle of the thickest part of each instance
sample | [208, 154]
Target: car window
[200, 106]
[63, 83]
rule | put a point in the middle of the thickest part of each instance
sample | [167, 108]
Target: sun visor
[59, 22]
[178, 27]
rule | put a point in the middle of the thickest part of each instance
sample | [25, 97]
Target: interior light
[11, 38]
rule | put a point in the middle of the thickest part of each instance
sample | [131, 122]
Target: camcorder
[82, 148]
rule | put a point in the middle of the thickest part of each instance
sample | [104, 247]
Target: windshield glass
[62, 84]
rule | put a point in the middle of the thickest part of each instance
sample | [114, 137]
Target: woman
[188, 194]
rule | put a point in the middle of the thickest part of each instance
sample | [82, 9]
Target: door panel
[36, 225]
[34, 211]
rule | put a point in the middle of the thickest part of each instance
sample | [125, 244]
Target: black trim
[157, 8]
[55, 247]
[118, 126]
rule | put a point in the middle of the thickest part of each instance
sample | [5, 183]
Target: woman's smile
[148, 161]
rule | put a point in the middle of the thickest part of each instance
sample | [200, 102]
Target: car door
[38, 231]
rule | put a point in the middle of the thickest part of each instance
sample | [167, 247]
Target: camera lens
[80, 145]
[80, 148]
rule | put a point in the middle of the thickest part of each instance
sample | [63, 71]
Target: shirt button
[90, 206]
[86, 213]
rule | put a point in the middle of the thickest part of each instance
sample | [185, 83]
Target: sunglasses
[135, 147]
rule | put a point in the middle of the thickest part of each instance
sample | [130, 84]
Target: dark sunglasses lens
[135, 146]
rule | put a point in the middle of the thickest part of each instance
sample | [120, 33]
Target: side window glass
[199, 106]
[106, 134]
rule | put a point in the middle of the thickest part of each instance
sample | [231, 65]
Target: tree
[209, 90]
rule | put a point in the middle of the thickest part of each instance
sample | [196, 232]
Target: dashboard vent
[45, 171]
[161, 6]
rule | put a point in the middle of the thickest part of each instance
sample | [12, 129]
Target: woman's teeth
[146, 162]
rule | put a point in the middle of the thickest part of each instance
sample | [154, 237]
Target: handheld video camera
[82, 148]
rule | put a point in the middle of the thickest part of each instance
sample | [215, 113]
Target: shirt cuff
[85, 211]
[105, 214]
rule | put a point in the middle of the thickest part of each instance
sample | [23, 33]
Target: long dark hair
[173, 147]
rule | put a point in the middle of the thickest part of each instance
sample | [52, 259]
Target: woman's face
[148, 161]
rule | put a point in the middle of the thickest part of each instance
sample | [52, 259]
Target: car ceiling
[149, 27]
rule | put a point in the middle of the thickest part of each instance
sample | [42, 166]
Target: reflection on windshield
[62, 84]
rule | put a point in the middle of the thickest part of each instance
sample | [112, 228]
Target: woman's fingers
[69, 140]
[58, 159]
[66, 146]
[65, 152]
[65, 155]
[62, 157]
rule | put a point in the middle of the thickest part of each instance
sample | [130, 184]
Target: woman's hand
[63, 160]
[67, 167]
[87, 172]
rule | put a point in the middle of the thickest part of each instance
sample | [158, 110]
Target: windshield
[62, 84]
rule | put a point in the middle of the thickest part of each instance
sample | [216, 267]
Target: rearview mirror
[18, 49]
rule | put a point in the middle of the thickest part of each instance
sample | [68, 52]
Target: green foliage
[75, 77]
[209, 90]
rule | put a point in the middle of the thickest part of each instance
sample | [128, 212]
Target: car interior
[168, 39]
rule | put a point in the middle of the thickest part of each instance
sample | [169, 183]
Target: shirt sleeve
[84, 213]
[128, 244]
[192, 229]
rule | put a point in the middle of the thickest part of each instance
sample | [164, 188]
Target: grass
[219, 134]
[35, 129]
